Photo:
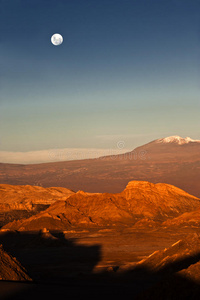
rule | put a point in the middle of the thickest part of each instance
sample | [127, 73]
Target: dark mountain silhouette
[172, 160]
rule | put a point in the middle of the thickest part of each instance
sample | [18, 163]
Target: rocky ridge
[139, 201]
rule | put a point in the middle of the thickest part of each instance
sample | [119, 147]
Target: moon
[56, 39]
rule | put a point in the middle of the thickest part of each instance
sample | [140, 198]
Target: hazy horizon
[68, 154]
[56, 155]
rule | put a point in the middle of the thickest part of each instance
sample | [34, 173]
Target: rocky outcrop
[191, 219]
[158, 200]
[18, 202]
[176, 271]
[10, 268]
[19, 197]
[174, 256]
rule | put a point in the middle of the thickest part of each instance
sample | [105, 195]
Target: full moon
[56, 39]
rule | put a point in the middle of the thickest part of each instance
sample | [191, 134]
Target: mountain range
[173, 160]
[141, 203]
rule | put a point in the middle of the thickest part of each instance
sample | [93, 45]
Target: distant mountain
[139, 200]
[173, 160]
[177, 140]
[172, 148]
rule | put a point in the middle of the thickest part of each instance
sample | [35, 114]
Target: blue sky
[126, 71]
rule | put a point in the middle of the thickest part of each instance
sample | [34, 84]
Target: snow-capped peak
[176, 139]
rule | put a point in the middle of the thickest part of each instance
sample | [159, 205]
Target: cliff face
[140, 200]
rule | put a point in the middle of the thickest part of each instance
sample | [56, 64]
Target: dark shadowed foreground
[105, 263]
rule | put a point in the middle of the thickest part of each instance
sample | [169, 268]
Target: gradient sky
[128, 70]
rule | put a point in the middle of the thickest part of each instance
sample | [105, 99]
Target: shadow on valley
[60, 267]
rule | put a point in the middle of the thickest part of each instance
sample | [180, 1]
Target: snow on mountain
[176, 139]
